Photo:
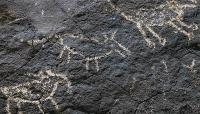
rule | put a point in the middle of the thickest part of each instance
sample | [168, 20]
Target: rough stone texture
[122, 75]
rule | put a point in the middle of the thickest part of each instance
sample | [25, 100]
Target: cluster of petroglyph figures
[34, 92]
[43, 88]
[169, 13]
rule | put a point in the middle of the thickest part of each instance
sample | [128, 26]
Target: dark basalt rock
[88, 57]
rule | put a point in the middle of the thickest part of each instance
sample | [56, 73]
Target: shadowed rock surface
[99, 56]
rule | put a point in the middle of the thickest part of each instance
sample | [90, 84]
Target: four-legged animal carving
[167, 12]
[91, 50]
[74, 47]
[35, 92]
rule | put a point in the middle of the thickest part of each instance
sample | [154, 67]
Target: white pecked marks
[91, 50]
[36, 91]
[167, 13]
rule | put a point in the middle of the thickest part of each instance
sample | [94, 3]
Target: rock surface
[99, 56]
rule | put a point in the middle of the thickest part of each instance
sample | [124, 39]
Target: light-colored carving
[115, 42]
[191, 66]
[168, 13]
[165, 65]
[105, 42]
[47, 83]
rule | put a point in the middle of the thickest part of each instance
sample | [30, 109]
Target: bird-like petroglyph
[164, 13]
[91, 49]
[36, 91]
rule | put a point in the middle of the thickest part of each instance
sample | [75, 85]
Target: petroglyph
[165, 13]
[91, 49]
[36, 91]
[165, 65]
[191, 66]
[118, 46]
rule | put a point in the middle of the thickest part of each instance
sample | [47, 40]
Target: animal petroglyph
[91, 49]
[35, 91]
[115, 45]
[164, 13]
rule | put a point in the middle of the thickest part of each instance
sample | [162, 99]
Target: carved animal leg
[161, 40]
[191, 66]
[68, 55]
[112, 38]
[40, 108]
[87, 63]
[149, 42]
[8, 106]
[193, 26]
[69, 50]
[19, 107]
[95, 59]
[189, 35]
[88, 60]
[55, 87]
[20, 101]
